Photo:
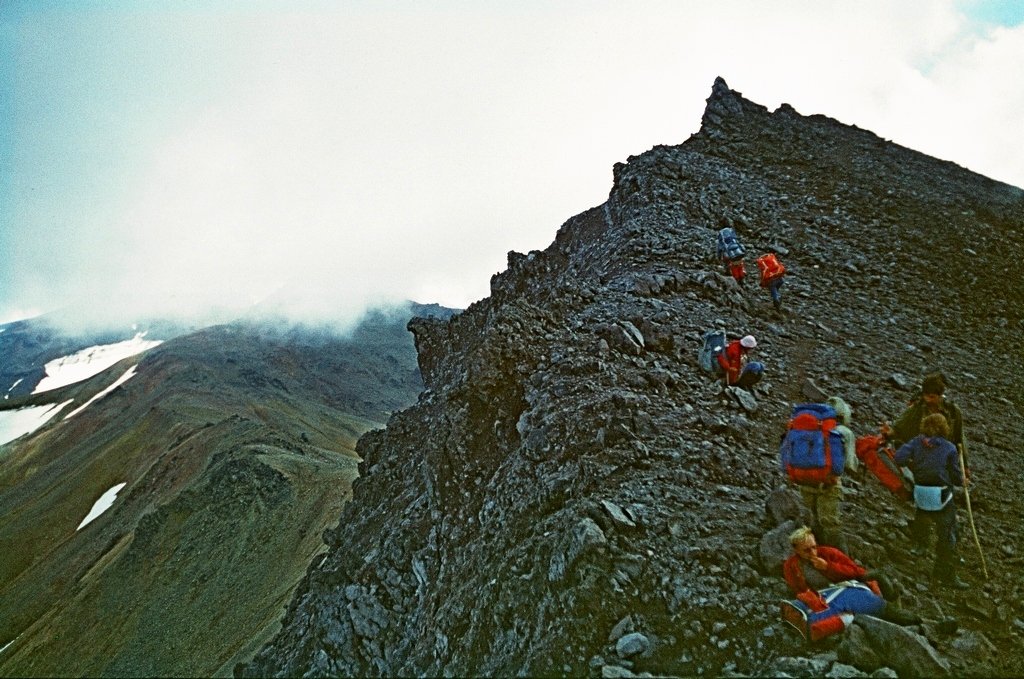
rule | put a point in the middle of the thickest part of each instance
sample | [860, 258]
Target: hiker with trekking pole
[935, 463]
[909, 425]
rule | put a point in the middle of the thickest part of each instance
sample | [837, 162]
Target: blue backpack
[843, 597]
[714, 344]
[729, 246]
[812, 450]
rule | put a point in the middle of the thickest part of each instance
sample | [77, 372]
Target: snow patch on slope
[103, 504]
[16, 383]
[120, 380]
[84, 364]
[17, 423]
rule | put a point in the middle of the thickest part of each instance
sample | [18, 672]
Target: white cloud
[360, 154]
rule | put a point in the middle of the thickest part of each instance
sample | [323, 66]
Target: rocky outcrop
[572, 495]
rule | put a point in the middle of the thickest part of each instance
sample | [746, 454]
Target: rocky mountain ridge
[571, 495]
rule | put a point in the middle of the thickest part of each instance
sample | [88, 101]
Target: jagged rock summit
[572, 495]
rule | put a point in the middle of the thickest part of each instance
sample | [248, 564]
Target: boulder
[784, 504]
[632, 644]
[905, 651]
[855, 649]
[774, 548]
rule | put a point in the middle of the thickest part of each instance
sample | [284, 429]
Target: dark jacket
[934, 461]
[908, 425]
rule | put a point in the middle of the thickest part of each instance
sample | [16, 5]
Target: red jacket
[731, 360]
[840, 567]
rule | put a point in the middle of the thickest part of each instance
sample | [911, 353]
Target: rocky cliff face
[571, 494]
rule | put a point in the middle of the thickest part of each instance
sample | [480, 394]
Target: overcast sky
[161, 157]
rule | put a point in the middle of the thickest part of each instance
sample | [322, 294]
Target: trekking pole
[970, 514]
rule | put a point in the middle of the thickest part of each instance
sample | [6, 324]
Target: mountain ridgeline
[572, 495]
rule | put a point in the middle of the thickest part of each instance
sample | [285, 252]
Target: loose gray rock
[618, 516]
[774, 548]
[622, 627]
[841, 671]
[785, 504]
[632, 644]
[616, 672]
[855, 649]
[812, 391]
[907, 652]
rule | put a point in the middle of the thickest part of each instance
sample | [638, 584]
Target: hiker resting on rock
[936, 467]
[812, 568]
[737, 368]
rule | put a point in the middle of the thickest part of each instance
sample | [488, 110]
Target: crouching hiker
[830, 588]
[737, 368]
[934, 462]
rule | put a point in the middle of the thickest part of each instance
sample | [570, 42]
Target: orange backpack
[770, 268]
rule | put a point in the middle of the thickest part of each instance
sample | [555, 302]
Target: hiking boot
[899, 616]
[777, 304]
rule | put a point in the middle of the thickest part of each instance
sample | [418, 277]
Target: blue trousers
[750, 376]
[773, 288]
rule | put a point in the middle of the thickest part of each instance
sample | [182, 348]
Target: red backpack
[770, 268]
[812, 450]
[879, 461]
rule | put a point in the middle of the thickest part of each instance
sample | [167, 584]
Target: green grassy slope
[237, 448]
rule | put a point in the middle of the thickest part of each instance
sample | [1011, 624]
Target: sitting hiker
[813, 568]
[934, 462]
[734, 363]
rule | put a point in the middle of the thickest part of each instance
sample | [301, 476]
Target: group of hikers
[731, 251]
[926, 441]
[920, 457]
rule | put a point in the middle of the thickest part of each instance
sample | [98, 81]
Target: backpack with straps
[878, 458]
[770, 268]
[729, 246]
[714, 344]
[812, 450]
[848, 596]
